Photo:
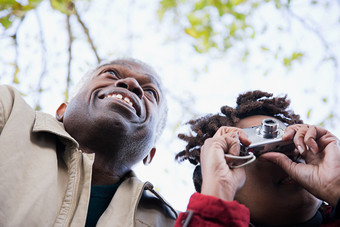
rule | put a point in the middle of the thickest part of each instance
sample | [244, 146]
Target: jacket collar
[47, 123]
[123, 206]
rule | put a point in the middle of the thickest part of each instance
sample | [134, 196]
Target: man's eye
[152, 92]
[111, 72]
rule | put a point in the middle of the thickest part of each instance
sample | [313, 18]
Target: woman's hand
[218, 179]
[320, 149]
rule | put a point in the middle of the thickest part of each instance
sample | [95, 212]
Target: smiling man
[76, 170]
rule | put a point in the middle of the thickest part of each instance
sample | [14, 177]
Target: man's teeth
[119, 96]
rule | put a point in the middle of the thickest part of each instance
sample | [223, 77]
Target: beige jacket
[45, 180]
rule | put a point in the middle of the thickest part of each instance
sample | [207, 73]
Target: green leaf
[263, 48]
[232, 29]
[63, 6]
[253, 33]
[37, 107]
[227, 43]
[278, 4]
[287, 62]
[168, 4]
[296, 56]
[15, 10]
[164, 6]
[237, 2]
[193, 19]
[32, 4]
[15, 76]
[6, 22]
[239, 16]
[330, 116]
[6, 4]
[200, 5]
[321, 124]
[245, 55]
[309, 113]
[192, 32]
[266, 72]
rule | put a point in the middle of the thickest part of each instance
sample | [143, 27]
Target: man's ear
[147, 160]
[60, 111]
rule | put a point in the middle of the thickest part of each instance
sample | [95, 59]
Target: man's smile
[119, 96]
[124, 98]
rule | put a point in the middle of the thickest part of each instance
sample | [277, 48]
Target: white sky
[130, 28]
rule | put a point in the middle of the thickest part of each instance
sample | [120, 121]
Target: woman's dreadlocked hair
[248, 104]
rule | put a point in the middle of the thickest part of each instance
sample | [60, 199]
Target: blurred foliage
[215, 26]
[212, 25]
[219, 25]
[64, 6]
[11, 10]
[215, 23]
[232, 18]
[287, 61]
[222, 24]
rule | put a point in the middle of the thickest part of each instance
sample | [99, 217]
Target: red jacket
[206, 211]
[209, 211]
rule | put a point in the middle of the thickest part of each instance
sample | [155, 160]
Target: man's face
[117, 109]
[272, 197]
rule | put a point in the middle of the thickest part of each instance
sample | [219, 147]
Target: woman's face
[271, 195]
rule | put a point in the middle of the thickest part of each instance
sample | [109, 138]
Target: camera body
[267, 137]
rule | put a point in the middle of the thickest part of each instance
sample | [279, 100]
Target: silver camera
[267, 137]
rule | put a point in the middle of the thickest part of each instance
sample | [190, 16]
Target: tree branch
[331, 55]
[86, 31]
[16, 55]
[43, 60]
[70, 40]
[318, 34]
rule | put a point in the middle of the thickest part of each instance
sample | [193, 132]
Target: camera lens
[269, 128]
[269, 121]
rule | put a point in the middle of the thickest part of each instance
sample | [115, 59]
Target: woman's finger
[233, 143]
[299, 139]
[310, 138]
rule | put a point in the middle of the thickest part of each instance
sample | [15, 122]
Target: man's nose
[132, 85]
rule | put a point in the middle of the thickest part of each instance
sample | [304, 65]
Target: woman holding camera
[294, 187]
